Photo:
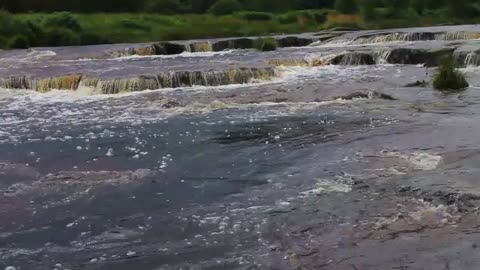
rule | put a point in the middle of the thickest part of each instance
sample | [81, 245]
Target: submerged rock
[368, 95]
[235, 43]
[293, 41]
[407, 56]
[170, 104]
[421, 83]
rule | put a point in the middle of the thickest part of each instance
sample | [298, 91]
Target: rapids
[206, 154]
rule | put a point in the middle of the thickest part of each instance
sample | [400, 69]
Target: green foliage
[20, 42]
[64, 20]
[447, 77]
[225, 7]
[3, 42]
[163, 6]
[266, 44]
[61, 37]
[256, 16]
[463, 9]
[135, 24]
[92, 39]
[346, 6]
[367, 9]
[305, 16]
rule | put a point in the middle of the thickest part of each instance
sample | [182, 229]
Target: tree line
[160, 6]
[367, 8]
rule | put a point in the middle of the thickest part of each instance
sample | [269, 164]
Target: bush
[447, 77]
[61, 37]
[320, 16]
[10, 25]
[3, 42]
[288, 18]
[303, 16]
[346, 6]
[19, 42]
[92, 39]
[135, 24]
[63, 20]
[266, 44]
[225, 7]
[163, 6]
[256, 16]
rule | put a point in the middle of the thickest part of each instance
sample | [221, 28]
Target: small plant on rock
[266, 44]
[448, 77]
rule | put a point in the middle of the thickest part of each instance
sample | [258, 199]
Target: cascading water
[162, 80]
[353, 59]
[408, 36]
[382, 56]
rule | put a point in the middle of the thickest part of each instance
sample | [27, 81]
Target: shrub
[163, 6]
[288, 18]
[92, 39]
[447, 77]
[304, 17]
[256, 16]
[266, 44]
[10, 25]
[225, 7]
[135, 24]
[3, 42]
[63, 20]
[19, 42]
[320, 16]
[61, 37]
[346, 6]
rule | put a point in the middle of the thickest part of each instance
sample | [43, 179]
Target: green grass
[448, 78]
[42, 29]
[124, 27]
[266, 44]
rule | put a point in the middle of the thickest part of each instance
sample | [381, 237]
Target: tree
[225, 7]
[201, 6]
[367, 9]
[346, 6]
[163, 6]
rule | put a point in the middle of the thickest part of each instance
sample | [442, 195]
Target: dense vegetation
[448, 78]
[26, 23]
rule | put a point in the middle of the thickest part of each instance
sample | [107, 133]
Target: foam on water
[419, 160]
[326, 186]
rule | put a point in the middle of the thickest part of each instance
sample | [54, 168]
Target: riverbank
[66, 29]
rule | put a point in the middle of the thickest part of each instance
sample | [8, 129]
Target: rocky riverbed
[332, 152]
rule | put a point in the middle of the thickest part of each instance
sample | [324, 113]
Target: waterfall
[288, 62]
[353, 59]
[408, 36]
[471, 60]
[201, 46]
[382, 56]
[173, 79]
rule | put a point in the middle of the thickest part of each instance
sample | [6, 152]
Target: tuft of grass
[266, 44]
[448, 78]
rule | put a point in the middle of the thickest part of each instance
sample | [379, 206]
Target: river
[332, 152]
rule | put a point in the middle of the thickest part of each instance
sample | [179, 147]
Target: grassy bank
[57, 29]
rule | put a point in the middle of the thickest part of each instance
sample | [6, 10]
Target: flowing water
[215, 156]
